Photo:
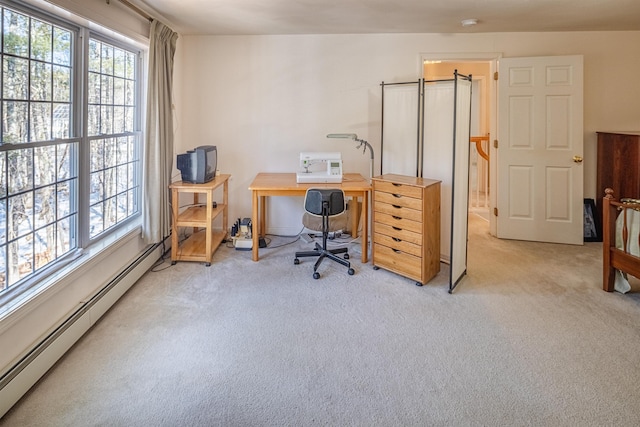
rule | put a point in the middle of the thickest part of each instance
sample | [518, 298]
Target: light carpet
[527, 339]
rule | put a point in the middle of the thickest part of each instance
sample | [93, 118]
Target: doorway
[482, 123]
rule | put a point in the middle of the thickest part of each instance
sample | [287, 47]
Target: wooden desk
[284, 184]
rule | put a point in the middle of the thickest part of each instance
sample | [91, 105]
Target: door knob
[577, 159]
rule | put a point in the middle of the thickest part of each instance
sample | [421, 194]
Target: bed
[620, 241]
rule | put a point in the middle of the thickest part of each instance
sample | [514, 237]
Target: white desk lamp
[362, 142]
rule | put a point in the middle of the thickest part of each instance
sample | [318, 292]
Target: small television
[199, 165]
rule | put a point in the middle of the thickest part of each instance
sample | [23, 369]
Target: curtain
[437, 151]
[158, 150]
[400, 128]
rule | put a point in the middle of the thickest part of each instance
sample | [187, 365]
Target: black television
[199, 165]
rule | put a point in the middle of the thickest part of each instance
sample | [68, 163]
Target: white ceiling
[259, 17]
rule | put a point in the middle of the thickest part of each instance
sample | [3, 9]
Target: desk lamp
[362, 142]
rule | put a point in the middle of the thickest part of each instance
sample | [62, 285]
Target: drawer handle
[396, 184]
[395, 239]
[396, 206]
[397, 196]
[396, 228]
[396, 217]
[398, 251]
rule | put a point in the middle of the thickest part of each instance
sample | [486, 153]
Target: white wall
[263, 99]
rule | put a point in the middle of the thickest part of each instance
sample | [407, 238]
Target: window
[114, 157]
[51, 202]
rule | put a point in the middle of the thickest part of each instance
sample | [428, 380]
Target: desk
[284, 184]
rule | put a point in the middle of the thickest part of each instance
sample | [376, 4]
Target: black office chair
[327, 203]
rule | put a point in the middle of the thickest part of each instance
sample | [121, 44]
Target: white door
[540, 148]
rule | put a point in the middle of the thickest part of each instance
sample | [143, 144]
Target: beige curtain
[158, 150]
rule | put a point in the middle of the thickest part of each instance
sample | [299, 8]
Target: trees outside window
[50, 203]
[111, 130]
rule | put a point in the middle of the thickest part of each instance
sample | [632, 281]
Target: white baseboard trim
[24, 374]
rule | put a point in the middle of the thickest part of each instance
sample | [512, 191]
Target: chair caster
[316, 275]
[346, 256]
[296, 261]
[375, 267]
[351, 271]
[207, 264]
[418, 284]
[173, 262]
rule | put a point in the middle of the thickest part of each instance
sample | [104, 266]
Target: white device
[329, 172]
[242, 241]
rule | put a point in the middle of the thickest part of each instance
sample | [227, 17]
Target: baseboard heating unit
[28, 370]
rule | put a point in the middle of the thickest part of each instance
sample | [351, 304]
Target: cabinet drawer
[398, 211]
[400, 189]
[398, 233]
[398, 222]
[399, 262]
[398, 200]
[397, 244]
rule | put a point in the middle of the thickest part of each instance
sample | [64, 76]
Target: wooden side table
[200, 216]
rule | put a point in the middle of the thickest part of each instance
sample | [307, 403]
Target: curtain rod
[135, 8]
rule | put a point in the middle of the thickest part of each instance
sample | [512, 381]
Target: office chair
[327, 203]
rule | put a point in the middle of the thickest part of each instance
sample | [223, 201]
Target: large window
[111, 130]
[69, 169]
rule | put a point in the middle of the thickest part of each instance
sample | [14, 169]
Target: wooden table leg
[225, 212]
[355, 218]
[365, 227]
[263, 215]
[255, 224]
[174, 230]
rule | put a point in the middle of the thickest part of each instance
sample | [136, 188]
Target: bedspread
[633, 246]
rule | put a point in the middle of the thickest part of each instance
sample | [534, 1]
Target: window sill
[15, 307]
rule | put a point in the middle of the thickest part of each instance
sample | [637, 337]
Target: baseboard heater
[34, 364]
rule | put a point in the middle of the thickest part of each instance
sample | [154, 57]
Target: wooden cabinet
[200, 217]
[406, 226]
[617, 165]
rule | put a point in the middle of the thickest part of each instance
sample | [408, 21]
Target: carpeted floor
[527, 338]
